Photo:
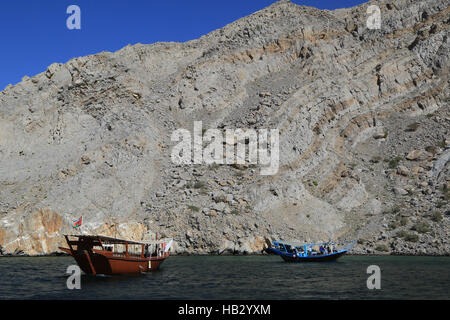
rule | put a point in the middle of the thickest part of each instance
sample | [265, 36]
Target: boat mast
[115, 227]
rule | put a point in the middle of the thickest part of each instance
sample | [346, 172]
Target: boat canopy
[110, 240]
[347, 243]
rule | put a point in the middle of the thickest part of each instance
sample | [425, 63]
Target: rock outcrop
[363, 117]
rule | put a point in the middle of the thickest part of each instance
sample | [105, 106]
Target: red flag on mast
[77, 223]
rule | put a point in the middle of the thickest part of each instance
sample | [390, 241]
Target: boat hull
[91, 262]
[316, 258]
[331, 257]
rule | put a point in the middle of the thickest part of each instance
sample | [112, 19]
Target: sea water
[233, 277]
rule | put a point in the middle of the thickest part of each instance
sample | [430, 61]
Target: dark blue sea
[233, 277]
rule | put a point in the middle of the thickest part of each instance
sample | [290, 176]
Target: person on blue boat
[301, 251]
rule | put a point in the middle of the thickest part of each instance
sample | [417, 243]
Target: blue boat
[310, 252]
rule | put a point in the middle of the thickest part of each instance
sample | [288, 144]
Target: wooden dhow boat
[97, 254]
[310, 252]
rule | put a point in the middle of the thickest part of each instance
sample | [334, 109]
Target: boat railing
[349, 245]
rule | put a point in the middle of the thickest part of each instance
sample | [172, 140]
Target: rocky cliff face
[363, 117]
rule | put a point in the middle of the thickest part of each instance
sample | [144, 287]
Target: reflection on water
[238, 277]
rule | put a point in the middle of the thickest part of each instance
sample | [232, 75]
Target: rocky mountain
[363, 118]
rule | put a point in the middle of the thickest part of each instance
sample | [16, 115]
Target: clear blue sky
[34, 32]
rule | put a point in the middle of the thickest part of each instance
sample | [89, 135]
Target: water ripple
[244, 277]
